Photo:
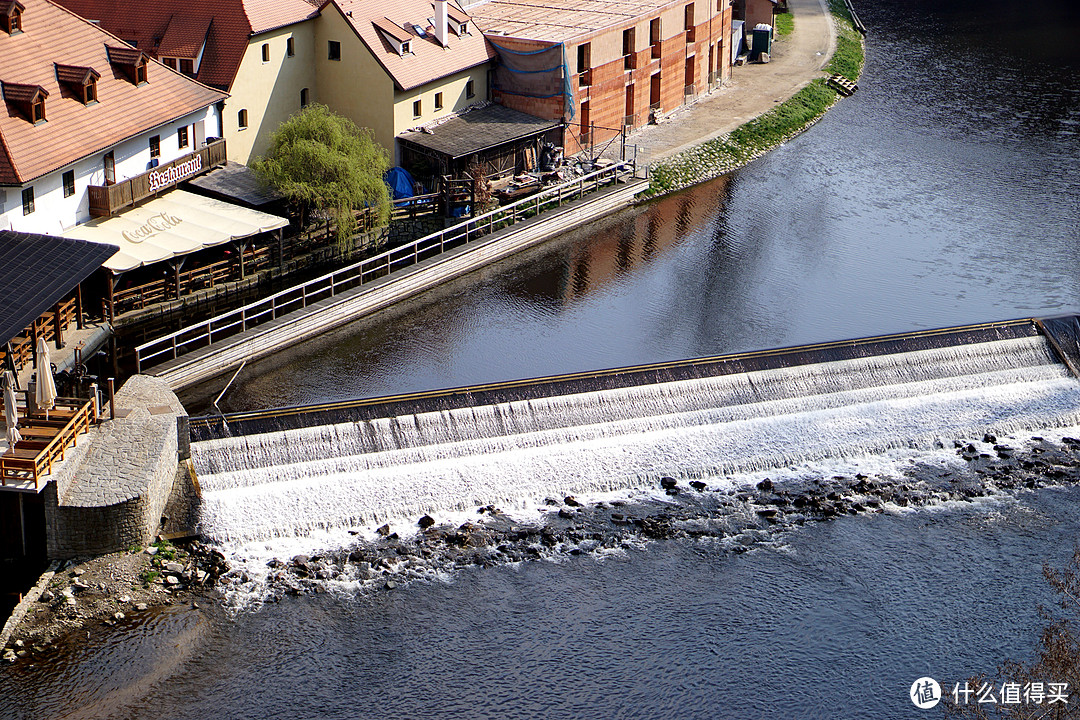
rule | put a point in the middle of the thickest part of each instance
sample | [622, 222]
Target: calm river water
[946, 191]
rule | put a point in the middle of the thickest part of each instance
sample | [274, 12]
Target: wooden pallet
[842, 85]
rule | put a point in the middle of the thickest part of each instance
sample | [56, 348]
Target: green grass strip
[722, 155]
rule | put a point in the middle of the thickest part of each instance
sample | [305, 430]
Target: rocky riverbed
[687, 508]
[87, 593]
[101, 591]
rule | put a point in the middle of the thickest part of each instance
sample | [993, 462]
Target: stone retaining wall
[113, 495]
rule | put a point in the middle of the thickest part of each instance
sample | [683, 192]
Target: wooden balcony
[107, 200]
[45, 440]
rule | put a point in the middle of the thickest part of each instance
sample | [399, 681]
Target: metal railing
[205, 333]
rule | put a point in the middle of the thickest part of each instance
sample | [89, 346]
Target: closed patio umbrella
[11, 413]
[46, 388]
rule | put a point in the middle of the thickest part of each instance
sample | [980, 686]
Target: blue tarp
[401, 183]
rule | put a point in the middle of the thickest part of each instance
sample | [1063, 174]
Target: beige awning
[174, 224]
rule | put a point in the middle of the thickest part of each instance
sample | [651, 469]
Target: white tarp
[176, 223]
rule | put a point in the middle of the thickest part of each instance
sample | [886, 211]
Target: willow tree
[324, 160]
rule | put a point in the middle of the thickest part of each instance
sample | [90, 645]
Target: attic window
[80, 80]
[130, 61]
[29, 100]
[11, 16]
[405, 47]
[397, 36]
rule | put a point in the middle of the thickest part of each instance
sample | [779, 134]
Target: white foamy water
[299, 482]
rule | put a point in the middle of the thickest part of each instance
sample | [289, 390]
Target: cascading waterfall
[296, 481]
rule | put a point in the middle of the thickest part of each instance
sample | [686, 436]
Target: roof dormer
[79, 80]
[457, 21]
[29, 100]
[130, 61]
[184, 42]
[397, 36]
[11, 16]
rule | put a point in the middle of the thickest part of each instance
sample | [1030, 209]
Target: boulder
[425, 522]
[668, 483]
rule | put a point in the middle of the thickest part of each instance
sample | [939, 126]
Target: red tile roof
[14, 92]
[184, 37]
[427, 60]
[52, 36]
[152, 24]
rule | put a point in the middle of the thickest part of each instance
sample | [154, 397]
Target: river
[945, 191]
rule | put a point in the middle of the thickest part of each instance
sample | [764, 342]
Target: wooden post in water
[112, 398]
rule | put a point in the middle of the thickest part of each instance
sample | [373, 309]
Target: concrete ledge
[333, 312]
[29, 599]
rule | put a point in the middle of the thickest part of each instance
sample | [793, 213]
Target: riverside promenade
[754, 89]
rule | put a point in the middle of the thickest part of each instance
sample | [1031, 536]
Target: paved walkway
[753, 90]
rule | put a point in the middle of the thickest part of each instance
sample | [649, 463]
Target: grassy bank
[724, 154]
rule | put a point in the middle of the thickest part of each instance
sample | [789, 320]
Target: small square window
[290, 47]
[438, 101]
[241, 119]
[266, 52]
[469, 90]
[155, 146]
[28, 201]
[416, 108]
[182, 137]
[69, 183]
[187, 67]
[333, 50]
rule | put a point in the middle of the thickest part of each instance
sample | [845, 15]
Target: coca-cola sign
[156, 224]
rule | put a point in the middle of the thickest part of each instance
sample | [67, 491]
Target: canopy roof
[479, 130]
[174, 224]
[37, 271]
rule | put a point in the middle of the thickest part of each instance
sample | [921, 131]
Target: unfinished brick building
[605, 65]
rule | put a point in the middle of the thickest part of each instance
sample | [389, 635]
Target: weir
[292, 471]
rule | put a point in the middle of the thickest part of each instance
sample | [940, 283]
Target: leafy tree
[322, 159]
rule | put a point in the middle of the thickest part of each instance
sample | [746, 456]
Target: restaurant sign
[173, 174]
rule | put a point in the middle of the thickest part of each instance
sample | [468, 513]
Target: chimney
[440, 22]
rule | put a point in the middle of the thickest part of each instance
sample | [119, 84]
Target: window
[12, 23]
[140, 73]
[333, 50]
[629, 48]
[654, 36]
[182, 137]
[90, 91]
[28, 201]
[155, 146]
[304, 97]
[290, 47]
[688, 22]
[469, 90]
[266, 52]
[438, 101]
[110, 168]
[584, 52]
[187, 66]
[416, 108]
[37, 110]
[405, 48]
[241, 119]
[69, 183]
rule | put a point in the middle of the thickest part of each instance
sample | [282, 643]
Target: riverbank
[88, 593]
[729, 151]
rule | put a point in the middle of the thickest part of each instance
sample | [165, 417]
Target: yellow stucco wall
[269, 91]
[355, 86]
[454, 98]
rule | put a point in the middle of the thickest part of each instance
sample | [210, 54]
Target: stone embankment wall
[111, 495]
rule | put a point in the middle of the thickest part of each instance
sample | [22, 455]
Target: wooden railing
[300, 296]
[22, 346]
[46, 438]
[164, 288]
[105, 200]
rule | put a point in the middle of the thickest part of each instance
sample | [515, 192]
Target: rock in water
[668, 483]
[426, 522]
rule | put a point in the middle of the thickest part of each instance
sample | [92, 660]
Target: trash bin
[762, 41]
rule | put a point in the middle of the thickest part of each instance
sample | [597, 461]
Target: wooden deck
[45, 440]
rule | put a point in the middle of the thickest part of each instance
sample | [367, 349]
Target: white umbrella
[11, 413]
[46, 388]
